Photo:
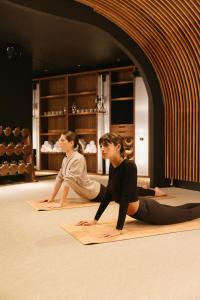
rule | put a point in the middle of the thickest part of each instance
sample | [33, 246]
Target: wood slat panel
[168, 33]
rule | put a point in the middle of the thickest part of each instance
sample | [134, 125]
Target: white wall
[35, 124]
[141, 128]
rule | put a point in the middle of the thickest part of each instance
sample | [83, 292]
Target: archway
[156, 109]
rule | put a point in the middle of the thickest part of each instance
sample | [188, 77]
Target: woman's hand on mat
[86, 223]
[55, 204]
[111, 233]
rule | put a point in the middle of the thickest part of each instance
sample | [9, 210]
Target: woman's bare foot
[145, 186]
[159, 192]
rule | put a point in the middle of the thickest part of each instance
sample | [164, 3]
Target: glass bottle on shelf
[97, 104]
[74, 108]
[102, 108]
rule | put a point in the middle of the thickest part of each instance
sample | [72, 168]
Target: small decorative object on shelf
[64, 110]
[7, 131]
[21, 167]
[18, 149]
[4, 169]
[91, 147]
[99, 107]
[46, 147]
[13, 168]
[97, 103]
[50, 147]
[16, 131]
[102, 108]
[56, 147]
[10, 149]
[74, 108]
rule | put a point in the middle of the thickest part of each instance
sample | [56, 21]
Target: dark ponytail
[72, 136]
[80, 148]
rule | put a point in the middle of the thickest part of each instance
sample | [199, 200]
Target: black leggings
[100, 195]
[153, 212]
[145, 192]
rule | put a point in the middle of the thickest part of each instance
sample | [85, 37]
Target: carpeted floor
[39, 261]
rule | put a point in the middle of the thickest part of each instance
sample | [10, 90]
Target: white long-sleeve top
[73, 172]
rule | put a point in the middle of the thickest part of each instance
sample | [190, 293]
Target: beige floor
[39, 261]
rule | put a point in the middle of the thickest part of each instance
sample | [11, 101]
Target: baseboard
[187, 185]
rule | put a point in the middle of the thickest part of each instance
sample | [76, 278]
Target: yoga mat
[158, 198]
[70, 203]
[133, 229]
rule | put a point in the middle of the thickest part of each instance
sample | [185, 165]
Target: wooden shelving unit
[53, 117]
[60, 94]
[82, 92]
[122, 106]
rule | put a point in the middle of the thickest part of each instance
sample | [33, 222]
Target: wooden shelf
[122, 99]
[85, 131]
[121, 82]
[85, 113]
[63, 153]
[86, 93]
[52, 96]
[53, 153]
[52, 116]
[52, 133]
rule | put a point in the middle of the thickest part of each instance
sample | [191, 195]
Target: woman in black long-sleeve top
[122, 188]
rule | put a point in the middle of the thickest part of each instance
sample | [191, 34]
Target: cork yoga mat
[70, 203]
[159, 197]
[88, 235]
[78, 202]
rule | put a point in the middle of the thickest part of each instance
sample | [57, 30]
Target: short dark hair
[113, 138]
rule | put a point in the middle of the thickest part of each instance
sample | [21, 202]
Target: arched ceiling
[168, 33]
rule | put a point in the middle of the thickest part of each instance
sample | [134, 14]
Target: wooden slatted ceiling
[168, 33]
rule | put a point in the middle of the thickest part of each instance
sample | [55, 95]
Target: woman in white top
[73, 174]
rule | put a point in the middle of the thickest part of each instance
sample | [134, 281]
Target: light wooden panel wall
[168, 33]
